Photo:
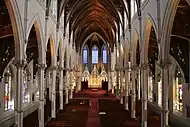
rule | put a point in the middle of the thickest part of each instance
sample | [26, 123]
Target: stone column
[77, 83]
[53, 92]
[139, 84]
[117, 81]
[133, 94]
[121, 85]
[61, 87]
[144, 79]
[49, 83]
[109, 72]
[112, 71]
[165, 85]
[19, 94]
[71, 85]
[109, 80]
[78, 87]
[112, 81]
[66, 86]
[41, 95]
[126, 87]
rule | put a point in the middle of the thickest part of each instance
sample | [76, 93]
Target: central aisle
[93, 114]
[93, 96]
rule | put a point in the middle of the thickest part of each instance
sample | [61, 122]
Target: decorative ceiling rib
[87, 16]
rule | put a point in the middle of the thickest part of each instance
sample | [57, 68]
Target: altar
[94, 78]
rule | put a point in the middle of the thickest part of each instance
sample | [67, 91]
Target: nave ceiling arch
[150, 52]
[135, 53]
[84, 17]
[11, 44]
[177, 35]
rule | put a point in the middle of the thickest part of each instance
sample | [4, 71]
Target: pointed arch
[134, 48]
[17, 28]
[149, 27]
[50, 40]
[40, 40]
[97, 34]
[167, 27]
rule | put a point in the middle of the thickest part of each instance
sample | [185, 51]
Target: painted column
[133, 94]
[77, 78]
[121, 72]
[19, 94]
[53, 92]
[121, 85]
[144, 79]
[66, 86]
[117, 81]
[61, 87]
[139, 84]
[41, 95]
[165, 85]
[109, 79]
[71, 84]
[126, 86]
[77, 83]
[112, 71]
[49, 84]
[109, 72]
[79, 67]
[117, 72]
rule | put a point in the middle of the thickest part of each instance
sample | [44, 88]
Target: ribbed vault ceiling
[87, 16]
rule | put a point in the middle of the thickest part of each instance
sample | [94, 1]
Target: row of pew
[114, 115]
[75, 114]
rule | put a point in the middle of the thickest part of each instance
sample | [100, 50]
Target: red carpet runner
[93, 115]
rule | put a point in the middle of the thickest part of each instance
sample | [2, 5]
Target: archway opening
[7, 53]
[32, 56]
[7, 46]
[153, 52]
[48, 77]
[180, 46]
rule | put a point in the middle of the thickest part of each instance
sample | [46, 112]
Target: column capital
[165, 63]
[61, 68]
[144, 66]
[20, 63]
[54, 67]
[134, 67]
[126, 68]
[67, 69]
[77, 69]
[70, 69]
[42, 66]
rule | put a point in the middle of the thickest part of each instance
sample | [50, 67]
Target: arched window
[178, 83]
[85, 55]
[94, 54]
[26, 96]
[8, 97]
[104, 55]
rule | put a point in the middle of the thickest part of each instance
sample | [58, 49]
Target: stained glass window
[104, 55]
[26, 96]
[94, 54]
[8, 101]
[85, 55]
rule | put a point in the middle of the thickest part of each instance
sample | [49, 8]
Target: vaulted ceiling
[87, 16]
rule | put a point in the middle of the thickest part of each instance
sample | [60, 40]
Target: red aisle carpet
[93, 115]
[93, 96]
